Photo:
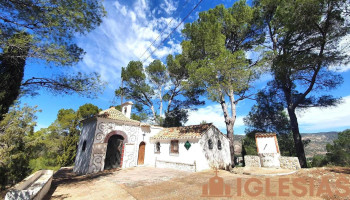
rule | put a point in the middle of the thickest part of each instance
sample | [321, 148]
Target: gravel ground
[152, 183]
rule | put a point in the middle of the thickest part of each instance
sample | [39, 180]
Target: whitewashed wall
[106, 126]
[214, 158]
[198, 153]
[82, 159]
[149, 149]
[96, 130]
[184, 156]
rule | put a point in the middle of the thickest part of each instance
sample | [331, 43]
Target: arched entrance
[114, 153]
[142, 148]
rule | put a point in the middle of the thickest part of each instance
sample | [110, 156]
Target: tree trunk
[229, 128]
[154, 114]
[161, 102]
[298, 143]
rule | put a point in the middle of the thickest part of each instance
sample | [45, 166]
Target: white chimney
[126, 108]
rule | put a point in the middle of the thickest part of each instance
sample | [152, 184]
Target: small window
[125, 110]
[210, 144]
[84, 146]
[219, 145]
[157, 150]
[174, 146]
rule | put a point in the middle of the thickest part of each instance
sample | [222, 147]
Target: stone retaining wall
[289, 162]
[252, 161]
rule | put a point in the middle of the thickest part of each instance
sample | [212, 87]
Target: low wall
[34, 186]
[252, 161]
[289, 162]
[176, 165]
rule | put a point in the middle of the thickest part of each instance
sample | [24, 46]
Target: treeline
[225, 51]
[23, 151]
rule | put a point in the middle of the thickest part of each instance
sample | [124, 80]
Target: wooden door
[141, 159]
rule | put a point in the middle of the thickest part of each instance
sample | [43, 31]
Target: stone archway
[116, 133]
[115, 142]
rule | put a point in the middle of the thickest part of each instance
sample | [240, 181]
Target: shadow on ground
[340, 170]
[66, 176]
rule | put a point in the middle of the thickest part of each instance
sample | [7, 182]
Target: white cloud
[212, 114]
[344, 47]
[310, 120]
[319, 119]
[124, 35]
[169, 6]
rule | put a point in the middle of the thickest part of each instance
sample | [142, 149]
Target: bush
[43, 163]
[338, 153]
[319, 161]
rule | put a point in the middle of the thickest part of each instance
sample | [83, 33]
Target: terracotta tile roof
[112, 113]
[183, 132]
[265, 134]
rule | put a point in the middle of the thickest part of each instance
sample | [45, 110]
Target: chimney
[126, 108]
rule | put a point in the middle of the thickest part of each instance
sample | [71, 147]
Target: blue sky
[127, 31]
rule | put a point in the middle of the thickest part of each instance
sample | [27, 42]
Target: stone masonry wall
[289, 162]
[252, 161]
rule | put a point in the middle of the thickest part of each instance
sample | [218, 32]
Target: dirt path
[152, 183]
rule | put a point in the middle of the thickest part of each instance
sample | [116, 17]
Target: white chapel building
[112, 140]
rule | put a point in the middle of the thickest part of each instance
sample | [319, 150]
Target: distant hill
[316, 146]
[318, 142]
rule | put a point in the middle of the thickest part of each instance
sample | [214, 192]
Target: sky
[127, 32]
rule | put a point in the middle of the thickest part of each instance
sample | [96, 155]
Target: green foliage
[338, 153]
[45, 30]
[286, 144]
[139, 117]
[319, 161]
[87, 110]
[15, 128]
[136, 87]
[154, 85]
[249, 145]
[137, 113]
[12, 72]
[268, 114]
[157, 73]
[23, 151]
[43, 163]
[46, 148]
[303, 40]
[68, 120]
[52, 26]
[177, 117]
[69, 146]
[216, 45]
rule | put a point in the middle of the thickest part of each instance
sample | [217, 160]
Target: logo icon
[216, 187]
